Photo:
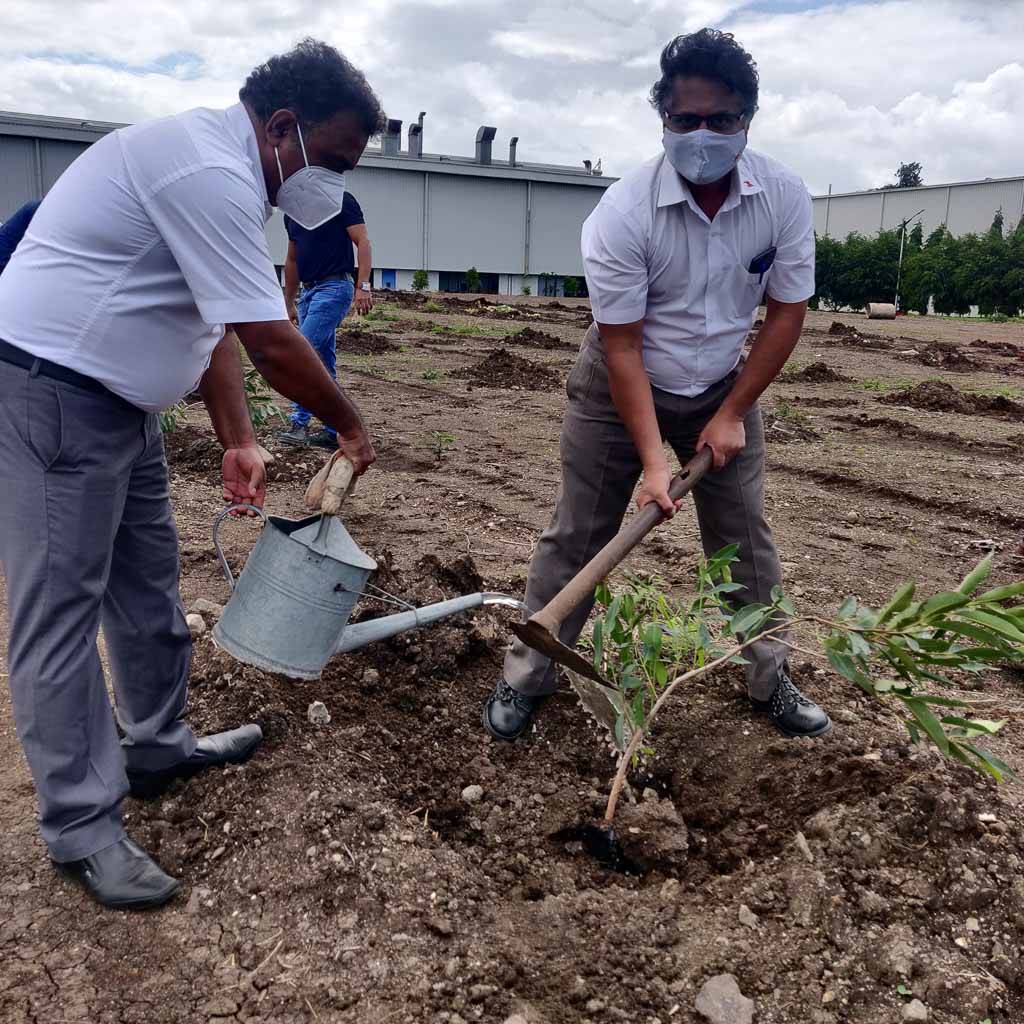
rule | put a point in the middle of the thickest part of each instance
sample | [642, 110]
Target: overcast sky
[848, 90]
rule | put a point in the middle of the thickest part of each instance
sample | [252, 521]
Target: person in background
[13, 231]
[678, 256]
[322, 261]
[145, 267]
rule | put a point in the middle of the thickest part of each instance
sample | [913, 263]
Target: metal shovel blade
[603, 702]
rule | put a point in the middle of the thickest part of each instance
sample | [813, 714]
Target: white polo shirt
[650, 253]
[145, 247]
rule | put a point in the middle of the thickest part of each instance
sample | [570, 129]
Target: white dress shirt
[650, 253]
[145, 247]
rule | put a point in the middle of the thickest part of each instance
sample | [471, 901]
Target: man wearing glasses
[679, 255]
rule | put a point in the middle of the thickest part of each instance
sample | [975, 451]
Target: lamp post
[899, 266]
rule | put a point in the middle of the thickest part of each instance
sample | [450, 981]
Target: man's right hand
[293, 315]
[358, 449]
[654, 487]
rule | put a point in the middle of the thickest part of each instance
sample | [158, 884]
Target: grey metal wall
[963, 208]
[556, 217]
[29, 167]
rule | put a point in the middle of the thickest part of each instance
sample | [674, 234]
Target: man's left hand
[725, 436]
[245, 476]
[363, 302]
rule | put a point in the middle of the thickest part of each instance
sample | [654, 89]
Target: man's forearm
[223, 391]
[774, 345]
[284, 357]
[631, 394]
[291, 283]
[364, 256]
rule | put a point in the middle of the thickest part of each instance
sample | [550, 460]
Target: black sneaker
[508, 713]
[298, 437]
[323, 440]
[793, 714]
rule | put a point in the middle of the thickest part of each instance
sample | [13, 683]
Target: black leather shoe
[122, 876]
[791, 712]
[231, 747]
[321, 439]
[508, 713]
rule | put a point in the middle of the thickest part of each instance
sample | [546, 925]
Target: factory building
[517, 223]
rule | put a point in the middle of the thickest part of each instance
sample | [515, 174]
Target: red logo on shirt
[749, 184]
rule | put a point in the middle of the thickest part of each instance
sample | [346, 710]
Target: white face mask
[312, 195]
[703, 156]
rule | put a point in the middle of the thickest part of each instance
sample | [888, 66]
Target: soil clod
[938, 396]
[503, 369]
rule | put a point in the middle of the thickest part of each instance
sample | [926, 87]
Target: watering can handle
[216, 536]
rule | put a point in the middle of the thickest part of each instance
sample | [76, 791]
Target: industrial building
[964, 207]
[517, 223]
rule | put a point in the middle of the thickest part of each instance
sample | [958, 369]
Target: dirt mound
[938, 396]
[826, 403]
[192, 450]
[815, 373]
[847, 334]
[503, 369]
[947, 356]
[837, 329]
[1002, 348]
[362, 342]
[530, 337]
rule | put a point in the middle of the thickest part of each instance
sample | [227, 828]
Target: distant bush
[420, 281]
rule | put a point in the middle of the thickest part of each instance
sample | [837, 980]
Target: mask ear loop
[298, 128]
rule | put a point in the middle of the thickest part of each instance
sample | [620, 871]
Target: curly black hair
[712, 55]
[315, 82]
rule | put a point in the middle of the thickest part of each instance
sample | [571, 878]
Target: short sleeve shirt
[326, 251]
[146, 246]
[651, 254]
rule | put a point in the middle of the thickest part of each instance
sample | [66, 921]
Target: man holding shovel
[114, 307]
[678, 256]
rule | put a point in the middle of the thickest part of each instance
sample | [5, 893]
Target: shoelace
[786, 697]
[507, 695]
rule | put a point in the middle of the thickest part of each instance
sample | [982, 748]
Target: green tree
[420, 281]
[571, 287]
[907, 176]
[473, 280]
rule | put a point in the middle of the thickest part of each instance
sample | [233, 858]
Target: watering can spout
[359, 634]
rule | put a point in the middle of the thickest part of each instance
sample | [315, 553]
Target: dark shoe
[297, 437]
[508, 713]
[122, 876]
[322, 439]
[232, 747]
[791, 712]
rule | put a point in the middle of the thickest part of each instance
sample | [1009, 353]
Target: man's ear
[279, 126]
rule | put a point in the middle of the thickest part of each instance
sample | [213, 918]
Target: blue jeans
[321, 308]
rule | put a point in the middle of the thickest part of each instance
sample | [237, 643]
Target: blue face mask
[703, 156]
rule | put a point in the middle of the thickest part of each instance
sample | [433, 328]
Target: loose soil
[947, 357]
[503, 369]
[815, 373]
[938, 396]
[528, 337]
[362, 342]
[340, 876]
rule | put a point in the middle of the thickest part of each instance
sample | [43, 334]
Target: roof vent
[512, 150]
[484, 137]
[416, 140]
[392, 138]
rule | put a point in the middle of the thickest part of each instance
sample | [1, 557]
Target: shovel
[541, 631]
[326, 494]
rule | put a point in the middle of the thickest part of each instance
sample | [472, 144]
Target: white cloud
[849, 90]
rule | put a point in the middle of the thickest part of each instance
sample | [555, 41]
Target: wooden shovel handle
[583, 583]
[340, 481]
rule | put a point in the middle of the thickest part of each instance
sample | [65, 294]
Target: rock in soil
[720, 1001]
[196, 624]
[503, 369]
[652, 835]
[318, 714]
[201, 606]
[473, 794]
[915, 1010]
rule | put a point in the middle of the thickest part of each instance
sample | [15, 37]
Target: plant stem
[639, 731]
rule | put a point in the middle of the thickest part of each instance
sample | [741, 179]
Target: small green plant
[527, 290]
[430, 306]
[647, 644]
[380, 313]
[473, 280]
[459, 329]
[790, 413]
[262, 408]
[420, 281]
[441, 442]
[432, 375]
[172, 418]
[1001, 391]
[876, 384]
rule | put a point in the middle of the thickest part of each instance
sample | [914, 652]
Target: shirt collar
[240, 126]
[672, 188]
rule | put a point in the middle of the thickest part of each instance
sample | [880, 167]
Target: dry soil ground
[340, 876]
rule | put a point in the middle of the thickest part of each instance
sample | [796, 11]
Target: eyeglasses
[724, 122]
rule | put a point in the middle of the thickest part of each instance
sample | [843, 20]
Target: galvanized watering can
[289, 608]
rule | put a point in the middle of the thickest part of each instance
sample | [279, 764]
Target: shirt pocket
[748, 290]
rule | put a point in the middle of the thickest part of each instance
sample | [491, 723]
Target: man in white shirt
[678, 255]
[142, 270]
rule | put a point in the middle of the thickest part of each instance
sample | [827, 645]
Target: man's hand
[245, 476]
[363, 302]
[654, 487]
[293, 314]
[725, 436]
[358, 450]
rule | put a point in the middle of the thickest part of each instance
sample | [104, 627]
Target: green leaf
[748, 619]
[603, 594]
[995, 623]
[942, 603]
[859, 647]
[982, 634]
[1001, 594]
[847, 608]
[845, 666]
[728, 588]
[660, 673]
[900, 600]
[598, 637]
[976, 576]
[975, 726]
[787, 606]
[993, 765]
[931, 725]
[915, 736]
[620, 725]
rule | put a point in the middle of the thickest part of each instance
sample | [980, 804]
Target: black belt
[19, 357]
[324, 280]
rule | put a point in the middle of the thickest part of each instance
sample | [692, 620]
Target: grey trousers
[600, 469]
[87, 538]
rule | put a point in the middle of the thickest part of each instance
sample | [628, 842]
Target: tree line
[954, 273]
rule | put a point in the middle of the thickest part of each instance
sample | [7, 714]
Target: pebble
[669, 891]
[473, 794]
[201, 606]
[196, 624]
[804, 848]
[479, 993]
[973, 924]
[371, 677]
[915, 1010]
[720, 1001]
[650, 796]
[747, 916]
[317, 713]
